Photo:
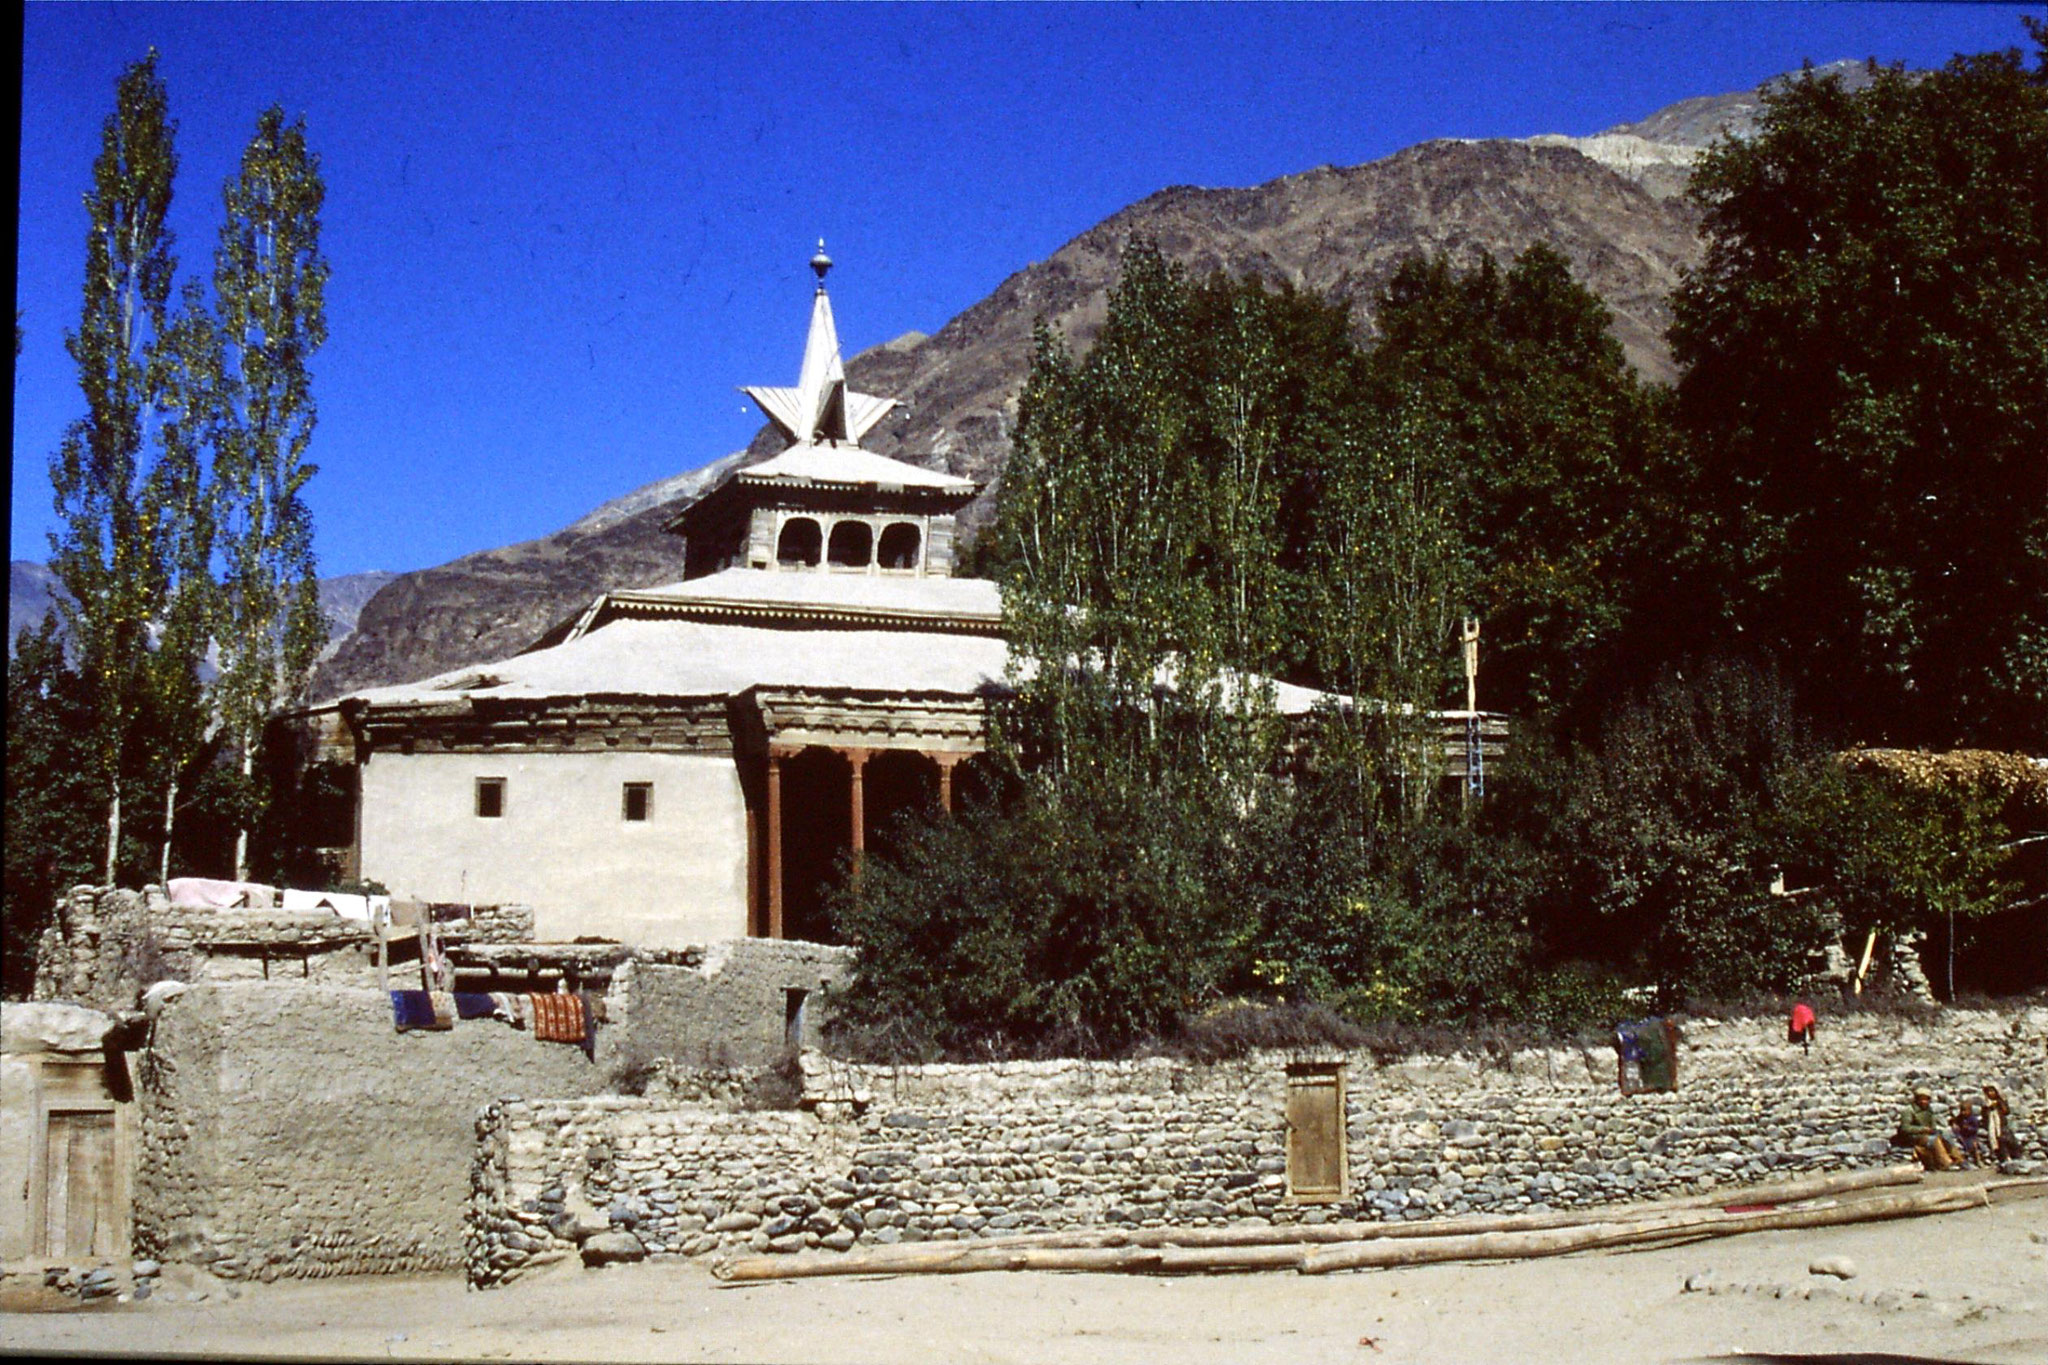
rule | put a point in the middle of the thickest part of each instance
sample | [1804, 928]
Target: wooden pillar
[774, 844]
[856, 761]
[755, 913]
[946, 763]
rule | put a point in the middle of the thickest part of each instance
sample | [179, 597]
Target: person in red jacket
[1802, 1024]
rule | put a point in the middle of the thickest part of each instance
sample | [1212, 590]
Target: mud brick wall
[289, 1130]
[725, 1004]
[943, 1152]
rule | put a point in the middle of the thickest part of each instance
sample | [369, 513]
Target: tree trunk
[163, 872]
[242, 826]
[113, 831]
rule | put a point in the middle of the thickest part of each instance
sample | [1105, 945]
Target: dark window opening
[899, 547]
[490, 798]
[639, 800]
[799, 543]
[853, 544]
[793, 1001]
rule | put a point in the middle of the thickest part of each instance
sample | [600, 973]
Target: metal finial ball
[821, 262]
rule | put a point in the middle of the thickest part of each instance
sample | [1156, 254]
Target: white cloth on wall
[357, 908]
[204, 893]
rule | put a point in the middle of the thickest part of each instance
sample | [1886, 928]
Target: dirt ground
[1967, 1287]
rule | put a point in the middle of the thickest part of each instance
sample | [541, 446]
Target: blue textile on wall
[412, 1009]
[474, 1005]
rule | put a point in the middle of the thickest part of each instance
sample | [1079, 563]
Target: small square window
[490, 798]
[639, 800]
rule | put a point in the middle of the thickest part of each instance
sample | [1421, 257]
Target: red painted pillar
[774, 844]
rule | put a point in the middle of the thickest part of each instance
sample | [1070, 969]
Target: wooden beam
[774, 844]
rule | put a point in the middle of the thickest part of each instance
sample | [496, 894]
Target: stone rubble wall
[881, 1155]
[496, 924]
[290, 1130]
[105, 945]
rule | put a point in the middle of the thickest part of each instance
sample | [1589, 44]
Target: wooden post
[946, 763]
[774, 844]
[856, 761]
[754, 915]
[1869, 947]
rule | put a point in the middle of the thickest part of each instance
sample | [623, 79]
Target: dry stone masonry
[882, 1155]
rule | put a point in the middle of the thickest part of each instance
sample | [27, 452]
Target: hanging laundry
[509, 1007]
[435, 973]
[443, 1003]
[415, 1010]
[1647, 1052]
[475, 1005]
[557, 1018]
[204, 893]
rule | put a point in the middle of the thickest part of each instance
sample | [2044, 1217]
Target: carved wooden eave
[757, 612]
[790, 719]
[729, 500]
[593, 723]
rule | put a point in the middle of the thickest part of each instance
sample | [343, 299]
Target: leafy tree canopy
[1866, 352]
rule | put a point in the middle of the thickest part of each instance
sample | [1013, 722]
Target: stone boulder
[52, 1026]
[604, 1248]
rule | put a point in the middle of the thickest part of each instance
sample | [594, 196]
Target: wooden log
[1293, 1234]
[1558, 1241]
[937, 1258]
[1784, 1192]
[1286, 1241]
[1666, 1227]
[2018, 1187]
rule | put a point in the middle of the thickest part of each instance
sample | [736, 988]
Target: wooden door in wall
[81, 1215]
[1315, 1132]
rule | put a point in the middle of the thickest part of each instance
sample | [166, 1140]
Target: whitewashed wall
[562, 845]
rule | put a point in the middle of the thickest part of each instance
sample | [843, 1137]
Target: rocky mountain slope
[1611, 203]
[32, 592]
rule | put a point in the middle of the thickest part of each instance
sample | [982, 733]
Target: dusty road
[1963, 1287]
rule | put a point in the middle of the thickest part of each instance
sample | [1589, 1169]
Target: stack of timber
[1315, 1249]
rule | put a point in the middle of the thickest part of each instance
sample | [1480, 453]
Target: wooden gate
[1317, 1170]
[81, 1210]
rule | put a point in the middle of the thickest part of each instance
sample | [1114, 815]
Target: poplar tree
[178, 729]
[113, 491]
[269, 286]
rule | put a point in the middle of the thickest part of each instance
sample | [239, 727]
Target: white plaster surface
[681, 658]
[677, 878]
[19, 1116]
[51, 1026]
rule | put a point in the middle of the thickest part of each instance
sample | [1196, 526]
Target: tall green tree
[1866, 384]
[51, 797]
[1390, 577]
[1679, 813]
[115, 488]
[177, 729]
[270, 283]
[1562, 465]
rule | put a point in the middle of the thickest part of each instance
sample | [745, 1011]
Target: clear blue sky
[562, 234]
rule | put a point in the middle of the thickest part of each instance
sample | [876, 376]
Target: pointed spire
[821, 408]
